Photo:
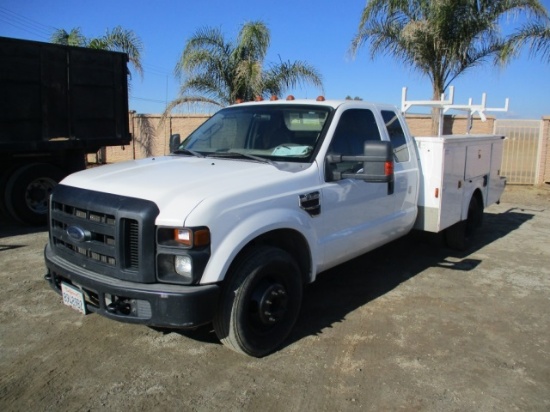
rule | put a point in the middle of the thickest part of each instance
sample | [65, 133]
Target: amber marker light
[202, 237]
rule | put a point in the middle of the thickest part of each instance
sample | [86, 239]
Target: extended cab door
[356, 216]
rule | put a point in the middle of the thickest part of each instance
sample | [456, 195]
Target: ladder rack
[448, 104]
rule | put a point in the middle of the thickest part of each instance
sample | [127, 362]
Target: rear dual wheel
[260, 302]
[458, 235]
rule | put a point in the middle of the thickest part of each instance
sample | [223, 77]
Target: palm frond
[536, 36]
[119, 39]
[72, 38]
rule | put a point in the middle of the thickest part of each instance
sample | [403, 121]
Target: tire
[4, 177]
[260, 302]
[28, 191]
[458, 236]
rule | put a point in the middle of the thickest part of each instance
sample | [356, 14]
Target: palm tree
[441, 38]
[117, 39]
[221, 72]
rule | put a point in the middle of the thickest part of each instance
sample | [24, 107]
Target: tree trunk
[436, 111]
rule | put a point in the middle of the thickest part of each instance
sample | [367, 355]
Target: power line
[24, 23]
[157, 69]
[147, 100]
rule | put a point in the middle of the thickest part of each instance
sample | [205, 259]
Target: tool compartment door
[478, 160]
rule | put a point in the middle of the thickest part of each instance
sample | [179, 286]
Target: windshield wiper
[188, 152]
[234, 155]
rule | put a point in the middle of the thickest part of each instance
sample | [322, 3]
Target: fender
[228, 246]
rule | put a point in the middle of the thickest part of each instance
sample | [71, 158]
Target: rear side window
[397, 136]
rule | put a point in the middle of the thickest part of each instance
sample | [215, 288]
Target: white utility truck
[251, 207]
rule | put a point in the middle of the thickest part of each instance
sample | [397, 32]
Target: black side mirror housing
[175, 141]
[377, 162]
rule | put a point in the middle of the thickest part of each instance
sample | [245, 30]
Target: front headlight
[182, 254]
[184, 237]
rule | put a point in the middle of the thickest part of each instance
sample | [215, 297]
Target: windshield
[271, 132]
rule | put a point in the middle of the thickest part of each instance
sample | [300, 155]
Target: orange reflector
[273, 98]
[258, 98]
[437, 192]
[320, 98]
[290, 97]
[202, 237]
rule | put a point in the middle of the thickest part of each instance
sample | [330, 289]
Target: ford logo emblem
[78, 234]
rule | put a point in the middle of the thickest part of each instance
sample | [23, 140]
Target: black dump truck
[57, 104]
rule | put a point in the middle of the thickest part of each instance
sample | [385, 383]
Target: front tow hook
[119, 307]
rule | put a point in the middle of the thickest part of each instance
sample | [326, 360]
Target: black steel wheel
[260, 302]
[28, 191]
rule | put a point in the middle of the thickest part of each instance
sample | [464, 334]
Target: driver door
[356, 215]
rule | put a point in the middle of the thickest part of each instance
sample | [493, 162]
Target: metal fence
[522, 146]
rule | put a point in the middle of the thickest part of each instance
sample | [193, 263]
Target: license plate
[73, 297]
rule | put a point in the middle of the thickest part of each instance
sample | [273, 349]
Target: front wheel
[260, 302]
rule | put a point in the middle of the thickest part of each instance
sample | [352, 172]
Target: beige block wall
[421, 125]
[544, 171]
[151, 138]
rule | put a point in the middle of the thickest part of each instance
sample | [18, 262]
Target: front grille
[108, 234]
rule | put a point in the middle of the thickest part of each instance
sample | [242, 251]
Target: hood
[180, 183]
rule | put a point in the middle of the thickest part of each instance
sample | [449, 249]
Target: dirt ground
[411, 326]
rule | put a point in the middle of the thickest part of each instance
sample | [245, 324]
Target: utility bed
[450, 167]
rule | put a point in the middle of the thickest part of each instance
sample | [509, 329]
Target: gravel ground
[410, 326]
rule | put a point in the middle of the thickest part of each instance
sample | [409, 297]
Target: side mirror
[377, 162]
[174, 142]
